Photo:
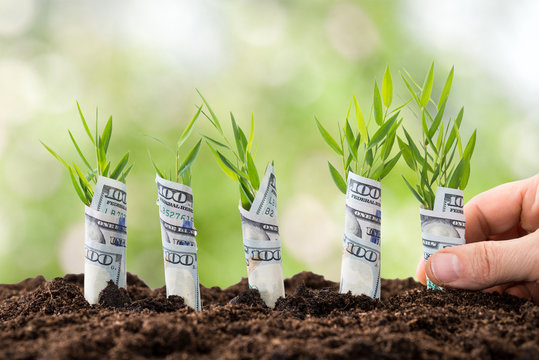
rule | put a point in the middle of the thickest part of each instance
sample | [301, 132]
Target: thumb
[484, 264]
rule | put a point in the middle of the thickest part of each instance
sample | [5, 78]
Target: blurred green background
[283, 61]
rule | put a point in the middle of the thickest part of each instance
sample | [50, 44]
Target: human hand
[502, 250]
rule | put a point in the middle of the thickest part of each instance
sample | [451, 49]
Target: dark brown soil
[51, 320]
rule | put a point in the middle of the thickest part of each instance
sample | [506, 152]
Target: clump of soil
[51, 320]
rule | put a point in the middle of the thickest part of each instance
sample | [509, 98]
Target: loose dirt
[52, 320]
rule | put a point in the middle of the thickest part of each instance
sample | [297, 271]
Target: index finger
[502, 208]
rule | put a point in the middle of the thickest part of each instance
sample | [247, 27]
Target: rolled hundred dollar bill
[444, 226]
[105, 252]
[261, 241]
[360, 270]
[178, 234]
[110, 197]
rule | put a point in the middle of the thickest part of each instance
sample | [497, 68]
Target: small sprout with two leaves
[363, 153]
[239, 164]
[182, 170]
[440, 159]
[84, 181]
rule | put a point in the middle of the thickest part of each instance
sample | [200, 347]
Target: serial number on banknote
[176, 215]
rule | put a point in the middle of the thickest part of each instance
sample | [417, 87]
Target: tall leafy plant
[366, 150]
[236, 158]
[84, 180]
[182, 168]
[440, 158]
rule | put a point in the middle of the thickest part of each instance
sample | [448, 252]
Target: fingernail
[445, 267]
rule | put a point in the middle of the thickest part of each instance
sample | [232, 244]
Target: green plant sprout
[84, 182]
[182, 171]
[434, 161]
[239, 165]
[364, 154]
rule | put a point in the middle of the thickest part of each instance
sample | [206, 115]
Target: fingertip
[420, 271]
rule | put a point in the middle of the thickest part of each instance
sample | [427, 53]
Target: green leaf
[414, 192]
[106, 169]
[413, 147]
[362, 127]
[237, 138]
[78, 189]
[126, 172]
[327, 137]
[56, 156]
[105, 138]
[407, 154]
[468, 151]
[185, 134]
[447, 88]
[427, 87]
[456, 176]
[215, 142]
[377, 104]
[190, 158]
[247, 197]
[387, 88]
[79, 151]
[465, 176]
[224, 167]
[159, 172]
[337, 178]
[81, 176]
[437, 120]
[369, 158]
[251, 134]
[410, 89]
[85, 124]
[383, 131]
[459, 141]
[388, 166]
[252, 172]
[350, 140]
[452, 134]
[390, 140]
[120, 167]
[215, 122]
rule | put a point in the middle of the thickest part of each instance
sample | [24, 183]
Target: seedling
[175, 201]
[365, 160]
[84, 181]
[238, 163]
[258, 208]
[440, 159]
[362, 152]
[182, 170]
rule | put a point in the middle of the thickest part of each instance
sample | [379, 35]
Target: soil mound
[51, 320]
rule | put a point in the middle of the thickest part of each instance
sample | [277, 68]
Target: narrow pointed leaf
[427, 87]
[120, 167]
[185, 134]
[78, 189]
[85, 124]
[328, 138]
[362, 127]
[190, 158]
[337, 178]
[377, 104]
[387, 88]
[105, 137]
[252, 172]
[447, 88]
[79, 151]
[126, 172]
[214, 120]
[414, 192]
[251, 134]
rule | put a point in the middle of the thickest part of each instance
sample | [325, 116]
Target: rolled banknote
[105, 252]
[178, 233]
[444, 226]
[360, 269]
[449, 200]
[261, 241]
[110, 197]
